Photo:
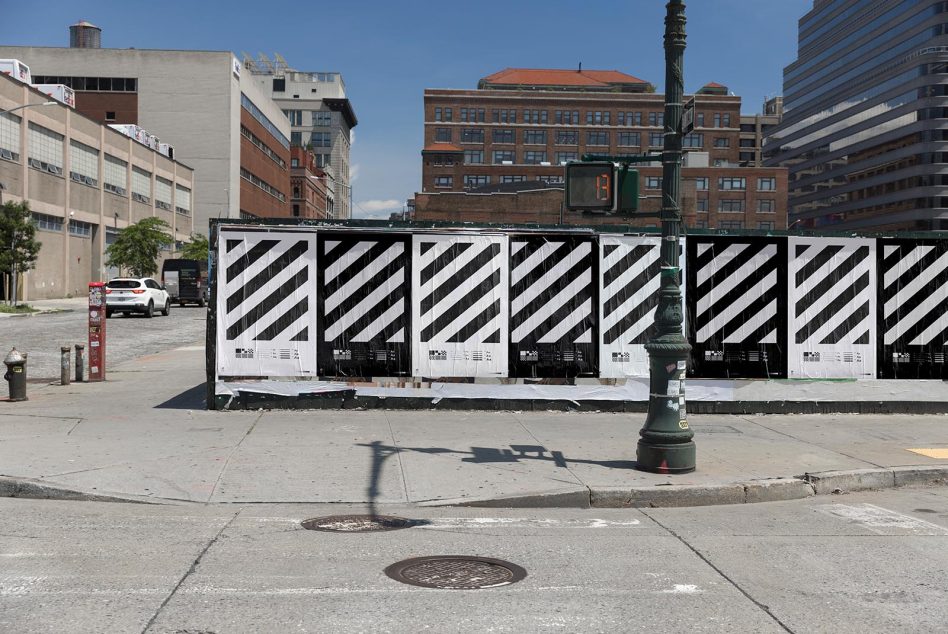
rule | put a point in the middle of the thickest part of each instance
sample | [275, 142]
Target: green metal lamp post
[665, 443]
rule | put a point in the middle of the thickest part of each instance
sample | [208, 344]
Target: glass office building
[865, 126]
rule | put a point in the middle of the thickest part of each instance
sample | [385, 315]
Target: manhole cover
[358, 523]
[456, 572]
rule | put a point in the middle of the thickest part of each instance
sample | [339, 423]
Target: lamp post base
[665, 458]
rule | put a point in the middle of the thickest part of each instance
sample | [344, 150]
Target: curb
[36, 490]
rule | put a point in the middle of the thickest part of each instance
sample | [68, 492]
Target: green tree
[19, 248]
[196, 249]
[138, 246]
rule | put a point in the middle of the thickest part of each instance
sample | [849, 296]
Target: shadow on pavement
[193, 398]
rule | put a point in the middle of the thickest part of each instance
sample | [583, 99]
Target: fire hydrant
[16, 375]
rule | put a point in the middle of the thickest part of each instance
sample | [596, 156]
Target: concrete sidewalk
[51, 306]
[144, 435]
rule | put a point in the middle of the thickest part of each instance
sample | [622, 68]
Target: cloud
[354, 170]
[377, 208]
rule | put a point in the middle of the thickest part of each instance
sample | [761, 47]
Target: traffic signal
[601, 186]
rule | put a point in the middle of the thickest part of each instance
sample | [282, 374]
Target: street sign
[688, 117]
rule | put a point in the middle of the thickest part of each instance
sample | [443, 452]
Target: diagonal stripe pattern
[364, 289]
[264, 294]
[914, 294]
[832, 293]
[736, 295]
[459, 292]
[630, 292]
[551, 291]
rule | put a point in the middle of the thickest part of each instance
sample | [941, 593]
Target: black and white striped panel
[459, 305]
[737, 303]
[832, 308]
[363, 304]
[914, 308]
[553, 305]
[266, 307]
[629, 283]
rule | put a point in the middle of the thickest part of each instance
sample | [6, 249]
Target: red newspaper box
[97, 331]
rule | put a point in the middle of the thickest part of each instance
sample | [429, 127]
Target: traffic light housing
[601, 186]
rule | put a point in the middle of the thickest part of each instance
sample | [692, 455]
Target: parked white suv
[136, 295]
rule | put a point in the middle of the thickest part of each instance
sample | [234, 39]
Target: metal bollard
[16, 375]
[65, 370]
[80, 362]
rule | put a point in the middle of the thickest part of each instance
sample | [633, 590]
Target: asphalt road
[43, 335]
[870, 562]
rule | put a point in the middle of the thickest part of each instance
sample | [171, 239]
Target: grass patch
[19, 309]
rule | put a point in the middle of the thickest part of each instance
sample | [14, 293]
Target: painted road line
[881, 520]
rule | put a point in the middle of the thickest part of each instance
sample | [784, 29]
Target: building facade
[524, 125]
[866, 117]
[84, 182]
[312, 193]
[200, 102]
[755, 128]
[320, 115]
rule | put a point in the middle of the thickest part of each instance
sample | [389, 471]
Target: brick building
[523, 125]
[312, 194]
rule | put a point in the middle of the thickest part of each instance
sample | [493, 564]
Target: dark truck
[185, 281]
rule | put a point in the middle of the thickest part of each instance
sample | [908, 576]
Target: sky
[389, 51]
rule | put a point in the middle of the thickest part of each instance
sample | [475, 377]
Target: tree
[196, 249]
[138, 246]
[19, 248]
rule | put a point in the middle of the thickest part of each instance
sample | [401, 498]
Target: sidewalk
[51, 306]
[144, 435]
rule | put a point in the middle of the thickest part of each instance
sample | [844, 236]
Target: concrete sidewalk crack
[190, 571]
[73, 428]
[807, 442]
[566, 465]
[220, 476]
[398, 457]
[765, 608]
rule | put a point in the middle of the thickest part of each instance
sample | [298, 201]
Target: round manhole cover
[456, 572]
[357, 523]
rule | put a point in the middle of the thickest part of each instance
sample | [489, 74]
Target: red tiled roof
[560, 77]
[715, 85]
[443, 147]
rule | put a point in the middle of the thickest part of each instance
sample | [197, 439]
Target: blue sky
[390, 51]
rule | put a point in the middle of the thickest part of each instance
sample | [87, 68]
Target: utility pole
[665, 443]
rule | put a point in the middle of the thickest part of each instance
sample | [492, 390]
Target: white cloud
[377, 208]
[354, 170]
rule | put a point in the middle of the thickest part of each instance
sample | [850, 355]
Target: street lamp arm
[29, 105]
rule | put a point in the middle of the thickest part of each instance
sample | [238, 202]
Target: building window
[263, 147]
[701, 205]
[722, 141]
[320, 139]
[472, 135]
[656, 139]
[535, 116]
[47, 222]
[9, 137]
[141, 185]
[656, 119]
[261, 118]
[731, 205]
[109, 115]
[717, 119]
[295, 116]
[296, 210]
[472, 115]
[83, 164]
[322, 118]
[534, 137]
[262, 184]
[116, 175]
[296, 138]
[701, 183]
[732, 183]
[503, 116]
[448, 114]
[566, 117]
[767, 225]
[323, 160]
[731, 224]
[473, 157]
[443, 135]
[722, 120]
[653, 182]
[767, 184]
[444, 181]
[503, 135]
[699, 119]
[513, 179]
[567, 137]
[747, 157]
[437, 113]
[551, 180]
[565, 157]
[595, 137]
[443, 160]
[471, 181]
[629, 118]
[45, 150]
[80, 229]
[748, 143]
[501, 156]
[296, 192]
[534, 157]
[182, 200]
[693, 140]
[294, 162]
[162, 193]
[279, 84]
[629, 139]
[766, 206]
